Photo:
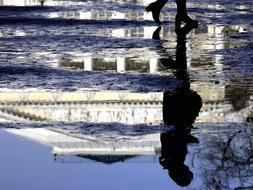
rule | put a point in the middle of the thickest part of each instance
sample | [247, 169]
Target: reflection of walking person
[180, 109]
[182, 15]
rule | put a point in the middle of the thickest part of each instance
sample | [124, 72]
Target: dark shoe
[155, 9]
[182, 32]
[186, 19]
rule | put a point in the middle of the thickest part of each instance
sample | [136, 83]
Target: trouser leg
[181, 7]
[182, 14]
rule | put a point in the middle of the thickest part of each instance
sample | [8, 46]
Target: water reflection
[216, 155]
[178, 108]
[222, 102]
[107, 15]
[207, 38]
[223, 154]
[64, 143]
[32, 2]
[122, 107]
[173, 155]
[181, 111]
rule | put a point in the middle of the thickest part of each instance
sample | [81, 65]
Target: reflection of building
[207, 38]
[91, 147]
[122, 107]
[119, 64]
[103, 107]
[111, 15]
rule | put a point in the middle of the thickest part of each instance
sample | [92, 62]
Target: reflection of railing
[222, 111]
[128, 112]
[123, 107]
[120, 107]
[44, 97]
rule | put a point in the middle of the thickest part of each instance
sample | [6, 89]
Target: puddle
[95, 91]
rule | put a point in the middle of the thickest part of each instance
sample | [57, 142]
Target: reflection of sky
[27, 163]
[97, 143]
[72, 30]
[33, 167]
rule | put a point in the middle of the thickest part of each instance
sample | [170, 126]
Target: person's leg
[182, 13]
[156, 8]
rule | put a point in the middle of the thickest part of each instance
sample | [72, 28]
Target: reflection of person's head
[181, 175]
[173, 153]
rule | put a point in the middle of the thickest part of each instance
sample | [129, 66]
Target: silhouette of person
[180, 109]
[182, 15]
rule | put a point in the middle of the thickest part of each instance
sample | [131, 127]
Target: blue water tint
[26, 165]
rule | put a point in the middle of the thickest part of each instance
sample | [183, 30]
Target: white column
[153, 65]
[87, 62]
[85, 15]
[148, 16]
[118, 33]
[118, 15]
[121, 64]
[219, 44]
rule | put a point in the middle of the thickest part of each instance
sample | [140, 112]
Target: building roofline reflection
[90, 147]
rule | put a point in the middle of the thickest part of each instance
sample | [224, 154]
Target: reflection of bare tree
[227, 161]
